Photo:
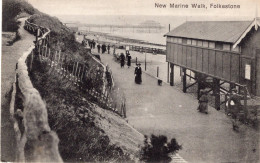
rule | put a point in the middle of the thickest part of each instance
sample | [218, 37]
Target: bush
[158, 150]
[11, 9]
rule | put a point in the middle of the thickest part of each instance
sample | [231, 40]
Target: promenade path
[166, 110]
[10, 56]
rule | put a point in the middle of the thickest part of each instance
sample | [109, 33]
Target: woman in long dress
[203, 102]
[138, 74]
[122, 60]
[129, 60]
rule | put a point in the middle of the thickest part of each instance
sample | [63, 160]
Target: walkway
[10, 56]
[165, 110]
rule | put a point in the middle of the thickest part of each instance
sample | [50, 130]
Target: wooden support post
[55, 58]
[184, 80]
[73, 69]
[145, 63]
[157, 71]
[168, 72]
[76, 70]
[199, 87]
[31, 61]
[46, 52]
[172, 75]
[58, 62]
[216, 92]
[245, 104]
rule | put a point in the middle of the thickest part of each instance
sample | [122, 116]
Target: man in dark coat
[122, 60]
[203, 102]
[103, 48]
[108, 49]
[94, 44]
[98, 47]
[138, 74]
[235, 106]
[129, 60]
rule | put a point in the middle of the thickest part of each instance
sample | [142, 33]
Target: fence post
[31, 61]
[157, 71]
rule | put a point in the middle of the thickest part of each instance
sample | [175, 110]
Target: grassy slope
[86, 131]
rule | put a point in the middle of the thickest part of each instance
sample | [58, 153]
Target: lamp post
[145, 63]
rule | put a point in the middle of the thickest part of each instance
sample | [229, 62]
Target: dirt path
[10, 56]
[154, 109]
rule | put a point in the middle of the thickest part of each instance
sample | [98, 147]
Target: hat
[138, 63]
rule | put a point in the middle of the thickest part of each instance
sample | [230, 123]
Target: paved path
[153, 109]
[10, 56]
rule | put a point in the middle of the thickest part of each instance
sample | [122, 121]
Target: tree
[157, 149]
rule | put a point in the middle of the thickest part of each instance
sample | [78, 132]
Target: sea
[153, 36]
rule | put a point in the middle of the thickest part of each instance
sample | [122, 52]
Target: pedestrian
[203, 102]
[103, 48]
[122, 60]
[234, 106]
[129, 57]
[91, 44]
[108, 48]
[98, 47]
[138, 74]
[94, 44]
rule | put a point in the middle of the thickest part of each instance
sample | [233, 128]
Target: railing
[36, 142]
[133, 47]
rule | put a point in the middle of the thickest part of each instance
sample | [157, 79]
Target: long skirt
[138, 79]
[203, 107]
[128, 63]
[122, 63]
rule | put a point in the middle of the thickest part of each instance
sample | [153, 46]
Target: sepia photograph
[161, 81]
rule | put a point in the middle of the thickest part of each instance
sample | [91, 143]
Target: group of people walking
[138, 69]
[92, 44]
[103, 48]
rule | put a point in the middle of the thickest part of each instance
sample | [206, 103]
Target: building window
[194, 42]
[212, 45]
[226, 47]
[175, 40]
[205, 44]
[168, 39]
[248, 71]
[219, 46]
[199, 43]
[180, 40]
[184, 41]
[189, 41]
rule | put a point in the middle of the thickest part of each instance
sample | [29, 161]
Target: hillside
[86, 131]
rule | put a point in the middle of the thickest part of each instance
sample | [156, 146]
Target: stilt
[172, 75]
[199, 87]
[216, 91]
[184, 80]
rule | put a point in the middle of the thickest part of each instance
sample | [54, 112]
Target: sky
[145, 7]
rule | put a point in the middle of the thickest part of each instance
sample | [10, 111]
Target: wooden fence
[35, 141]
[96, 81]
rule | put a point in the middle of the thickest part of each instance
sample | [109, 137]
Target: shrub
[157, 149]
[11, 9]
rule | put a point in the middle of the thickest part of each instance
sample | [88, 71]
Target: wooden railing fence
[96, 81]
